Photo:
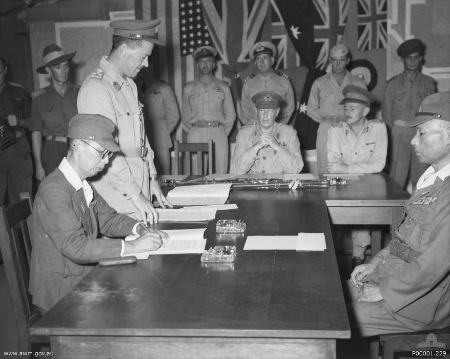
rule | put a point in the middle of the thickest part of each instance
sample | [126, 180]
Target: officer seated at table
[68, 215]
[405, 287]
[267, 146]
[357, 146]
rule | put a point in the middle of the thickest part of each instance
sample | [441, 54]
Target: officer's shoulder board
[97, 74]
[249, 126]
[37, 93]
[282, 75]
[376, 120]
[249, 77]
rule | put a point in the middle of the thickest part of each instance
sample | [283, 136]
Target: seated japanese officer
[267, 146]
[68, 215]
[405, 287]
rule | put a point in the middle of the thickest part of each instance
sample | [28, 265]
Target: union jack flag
[372, 24]
[330, 27]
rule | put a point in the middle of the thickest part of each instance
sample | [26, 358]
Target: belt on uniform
[134, 152]
[402, 251]
[206, 124]
[56, 138]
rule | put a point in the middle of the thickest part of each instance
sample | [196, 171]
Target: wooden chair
[15, 246]
[191, 149]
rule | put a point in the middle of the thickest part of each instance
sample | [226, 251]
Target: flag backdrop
[372, 24]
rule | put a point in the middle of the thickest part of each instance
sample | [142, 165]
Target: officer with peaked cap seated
[267, 146]
[266, 79]
[68, 214]
[208, 109]
[357, 145]
[324, 99]
[130, 181]
[405, 287]
[52, 109]
[402, 98]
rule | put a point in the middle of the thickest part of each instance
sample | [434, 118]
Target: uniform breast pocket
[155, 106]
[346, 155]
[367, 151]
[326, 95]
[412, 228]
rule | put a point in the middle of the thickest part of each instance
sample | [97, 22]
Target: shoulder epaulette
[249, 77]
[339, 124]
[16, 85]
[37, 93]
[282, 75]
[393, 78]
[376, 120]
[98, 73]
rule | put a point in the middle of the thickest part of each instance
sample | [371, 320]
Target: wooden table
[268, 304]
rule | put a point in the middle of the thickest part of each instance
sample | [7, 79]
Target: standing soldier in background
[161, 118]
[208, 109]
[130, 180]
[263, 54]
[402, 99]
[52, 109]
[16, 169]
[324, 98]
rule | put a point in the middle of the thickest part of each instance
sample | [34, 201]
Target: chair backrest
[194, 152]
[15, 246]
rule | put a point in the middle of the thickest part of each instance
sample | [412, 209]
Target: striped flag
[193, 30]
[372, 24]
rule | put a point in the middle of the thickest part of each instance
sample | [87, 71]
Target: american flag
[193, 30]
[372, 24]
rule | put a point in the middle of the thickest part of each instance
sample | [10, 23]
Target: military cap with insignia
[338, 50]
[411, 46]
[204, 51]
[433, 107]
[356, 94]
[54, 55]
[96, 128]
[137, 29]
[267, 99]
[262, 47]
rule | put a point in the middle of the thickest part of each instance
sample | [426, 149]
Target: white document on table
[219, 207]
[311, 242]
[181, 241]
[271, 243]
[194, 214]
[348, 176]
[196, 195]
[299, 176]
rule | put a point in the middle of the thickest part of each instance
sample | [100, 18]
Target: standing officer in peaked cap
[130, 181]
[266, 79]
[402, 98]
[267, 146]
[208, 110]
[357, 146]
[52, 109]
[405, 287]
[68, 215]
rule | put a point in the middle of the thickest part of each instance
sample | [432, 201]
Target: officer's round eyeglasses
[105, 154]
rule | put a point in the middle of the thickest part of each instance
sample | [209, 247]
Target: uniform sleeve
[171, 106]
[313, 110]
[93, 98]
[36, 122]
[290, 103]
[387, 105]
[333, 145]
[410, 282]
[244, 155]
[186, 111]
[26, 104]
[290, 157]
[378, 159]
[229, 112]
[248, 108]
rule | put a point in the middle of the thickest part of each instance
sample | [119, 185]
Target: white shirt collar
[429, 176]
[75, 180]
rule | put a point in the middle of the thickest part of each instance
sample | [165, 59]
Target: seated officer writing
[357, 146]
[405, 287]
[68, 214]
[267, 146]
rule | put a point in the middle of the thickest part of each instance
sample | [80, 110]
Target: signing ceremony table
[268, 304]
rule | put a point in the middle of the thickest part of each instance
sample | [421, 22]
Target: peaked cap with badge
[411, 46]
[262, 47]
[137, 29]
[204, 51]
[267, 100]
[356, 94]
[339, 50]
[433, 107]
[53, 55]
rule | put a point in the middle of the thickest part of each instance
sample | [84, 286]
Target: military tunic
[278, 83]
[287, 160]
[402, 99]
[324, 108]
[16, 168]
[415, 292]
[208, 114]
[50, 115]
[107, 93]
[161, 117]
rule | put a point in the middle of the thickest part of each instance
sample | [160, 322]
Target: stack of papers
[301, 242]
[207, 194]
[348, 176]
[181, 241]
[299, 176]
[189, 214]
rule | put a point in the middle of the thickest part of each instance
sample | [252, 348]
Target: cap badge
[259, 47]
[267, 98]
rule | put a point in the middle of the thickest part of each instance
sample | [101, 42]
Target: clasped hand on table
[266, 140]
